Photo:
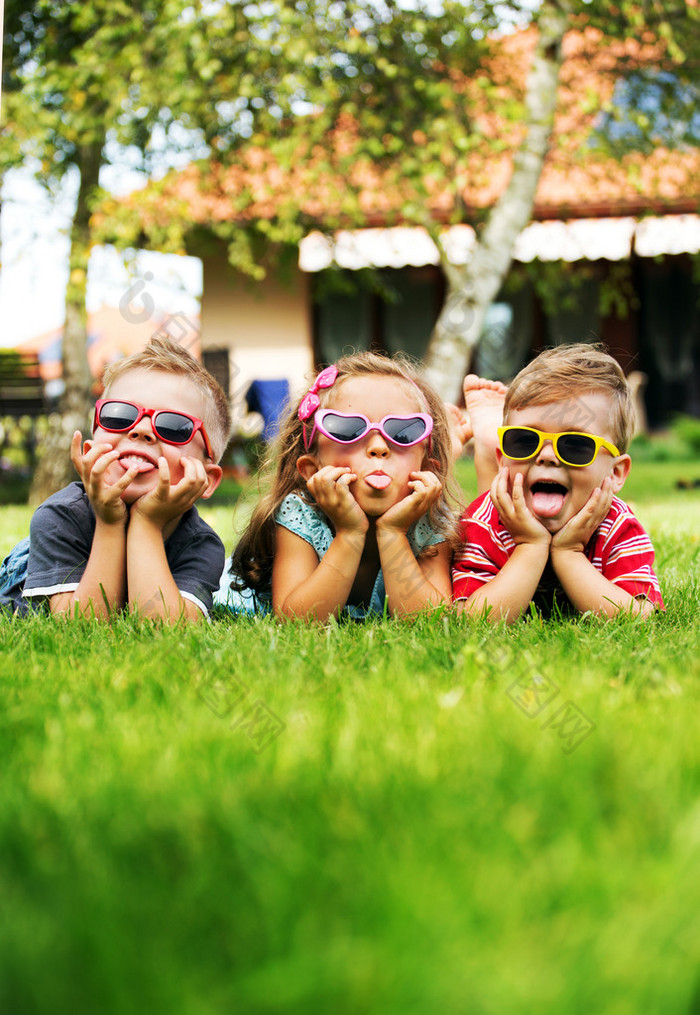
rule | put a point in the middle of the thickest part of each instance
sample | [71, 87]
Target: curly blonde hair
[253, 557]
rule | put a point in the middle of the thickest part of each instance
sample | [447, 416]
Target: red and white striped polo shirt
[619, 548]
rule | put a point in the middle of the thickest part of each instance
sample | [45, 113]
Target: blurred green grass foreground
[381, 818]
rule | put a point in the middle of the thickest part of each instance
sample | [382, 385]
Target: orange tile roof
[576, 181]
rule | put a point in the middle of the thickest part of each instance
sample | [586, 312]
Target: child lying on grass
[129, 534]
[552, 530]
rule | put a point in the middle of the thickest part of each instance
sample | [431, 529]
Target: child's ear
[620, 472]
[214, 475]
[306, 466]
[499, 458]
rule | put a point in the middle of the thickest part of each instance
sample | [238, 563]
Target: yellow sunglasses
[577, 449]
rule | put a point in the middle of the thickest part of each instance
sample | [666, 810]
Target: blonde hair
[163, 354]
[253, 557]
[570, 372]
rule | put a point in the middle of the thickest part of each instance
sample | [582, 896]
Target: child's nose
[144, 428]
[546, 454]
[376, 445]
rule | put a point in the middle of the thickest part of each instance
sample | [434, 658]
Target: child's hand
[329, 487]
[514, 512]
[91, 466]
[579, 529]
[164, 502]
[425, 490]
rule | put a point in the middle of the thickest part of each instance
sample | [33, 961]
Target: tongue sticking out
[129, 461]
[379, 482]
[547, 503]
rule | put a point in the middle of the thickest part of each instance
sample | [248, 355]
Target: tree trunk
[55, 469]
[472, 288]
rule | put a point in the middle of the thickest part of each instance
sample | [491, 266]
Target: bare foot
[460, 429]
[484, 401]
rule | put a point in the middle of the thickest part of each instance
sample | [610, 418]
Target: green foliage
[687, 428]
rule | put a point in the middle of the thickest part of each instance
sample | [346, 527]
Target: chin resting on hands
[165, 502]
[329, 487]
[579, 529]
[425, 489]
[514, 512]
[105, 498]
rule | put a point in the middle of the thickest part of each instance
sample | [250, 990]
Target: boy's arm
[588, 589]
[508, 594]
[583, 583]
[151, 588]
[102, 587]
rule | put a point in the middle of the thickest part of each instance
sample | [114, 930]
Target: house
[112, 333]
[608, 255]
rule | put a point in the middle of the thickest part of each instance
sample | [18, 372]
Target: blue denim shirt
[13, 571]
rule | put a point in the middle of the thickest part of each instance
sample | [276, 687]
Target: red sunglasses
[117, 416]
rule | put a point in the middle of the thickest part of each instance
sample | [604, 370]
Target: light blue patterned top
[309, 522]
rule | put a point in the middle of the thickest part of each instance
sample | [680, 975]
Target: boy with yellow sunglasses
[552, 529]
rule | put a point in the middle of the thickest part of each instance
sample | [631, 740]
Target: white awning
[612, 239]
[577, 240]
[669, 234]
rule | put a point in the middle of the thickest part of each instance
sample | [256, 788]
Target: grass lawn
[385, 818]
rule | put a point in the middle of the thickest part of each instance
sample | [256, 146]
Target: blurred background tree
[349, 89]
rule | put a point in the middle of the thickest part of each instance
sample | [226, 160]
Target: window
[395, 313]
[216, 362]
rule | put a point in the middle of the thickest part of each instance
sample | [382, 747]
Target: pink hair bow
[310, 402]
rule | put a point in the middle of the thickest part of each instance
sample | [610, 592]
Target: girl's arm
[411, 584]
[303, 586]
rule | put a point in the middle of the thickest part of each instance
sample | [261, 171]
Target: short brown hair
[572, 371]
[167, 356]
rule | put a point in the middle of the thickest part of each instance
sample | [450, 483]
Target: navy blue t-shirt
[61, 534]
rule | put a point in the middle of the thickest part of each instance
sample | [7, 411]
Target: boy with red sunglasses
[128, 534]
[551, 530]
